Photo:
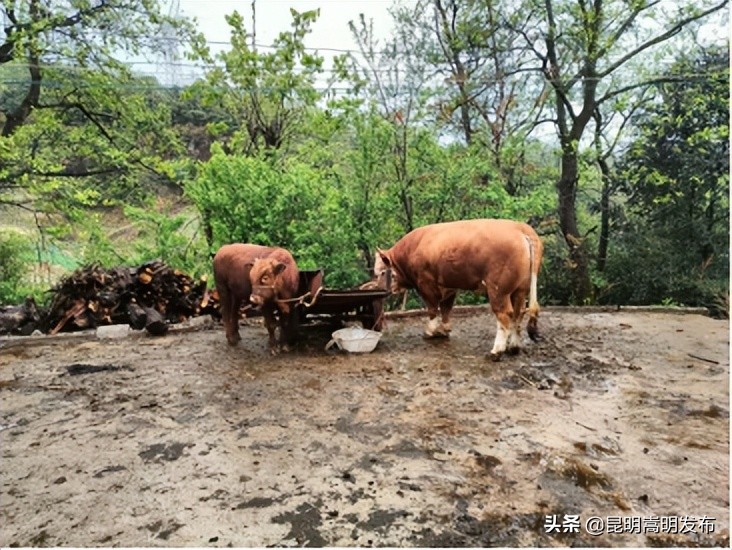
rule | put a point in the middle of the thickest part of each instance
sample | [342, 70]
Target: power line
[61, 84]
[678, 78]
[302, 70]
[311, 49]
[199, 66]
[54, 84]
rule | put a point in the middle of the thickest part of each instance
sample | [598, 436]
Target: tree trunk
[17, 117]
[604, 216]
[567, 194]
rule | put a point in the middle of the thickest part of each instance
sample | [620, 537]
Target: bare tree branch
[660, 38]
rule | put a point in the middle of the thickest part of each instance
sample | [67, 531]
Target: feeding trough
[364, 304]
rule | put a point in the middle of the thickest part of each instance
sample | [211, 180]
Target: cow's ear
[279, 268]
[384, 257]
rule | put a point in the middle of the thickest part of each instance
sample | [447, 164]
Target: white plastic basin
[355, 339]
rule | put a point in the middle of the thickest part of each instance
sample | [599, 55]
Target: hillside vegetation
[608, 134]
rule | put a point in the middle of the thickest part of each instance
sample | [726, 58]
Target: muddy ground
[183, 441]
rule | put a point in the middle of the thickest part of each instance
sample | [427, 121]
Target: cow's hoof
[495, 357]
[435, 335]
[274, 351]
[233, 341]
[533, 330]
[513, 351]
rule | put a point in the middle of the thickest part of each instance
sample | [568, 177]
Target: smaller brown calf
[275, 280]
[232, 266]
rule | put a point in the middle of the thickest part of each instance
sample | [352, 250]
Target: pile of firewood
[149, 296]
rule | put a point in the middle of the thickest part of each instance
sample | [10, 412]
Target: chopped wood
[74, 311]
[20, 319]
[155, 323]
[137, 315]
[205, 299]
[150, 296]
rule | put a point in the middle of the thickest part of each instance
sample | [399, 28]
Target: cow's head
[265, 279]
[382, 263]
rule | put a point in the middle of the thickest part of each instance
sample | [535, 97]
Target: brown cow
[275, 281]
[499, 257]
[232, 267]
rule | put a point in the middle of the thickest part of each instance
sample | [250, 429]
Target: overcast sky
[273, 16]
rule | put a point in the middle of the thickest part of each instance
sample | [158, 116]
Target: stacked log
[21, 319]
[149, 296]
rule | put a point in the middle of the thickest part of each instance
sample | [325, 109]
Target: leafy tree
[393, 79]
[77, 33]
[583, 49]
[248, 199]
[477, 88]
[264, 94]
[72, 109]
[676, 180]
[78, 129]
[363, 143]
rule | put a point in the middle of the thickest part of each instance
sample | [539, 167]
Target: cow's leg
[503, 309]
[445, 308]
[518, 301]
[288, 329]
[230, 315]
[431, 298]
[271, 325]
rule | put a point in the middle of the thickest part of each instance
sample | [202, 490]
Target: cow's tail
[534, 263]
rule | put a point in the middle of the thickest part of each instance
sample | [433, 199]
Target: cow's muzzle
[262, 293]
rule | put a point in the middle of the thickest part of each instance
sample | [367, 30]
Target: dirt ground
[183, 441]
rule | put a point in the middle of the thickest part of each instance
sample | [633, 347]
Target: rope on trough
[315, 298]
[298, 299]
[301, 299]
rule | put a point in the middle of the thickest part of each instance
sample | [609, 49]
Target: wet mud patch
[78, 369]
[467, 531]
[256, 502]
[305, 523]
[420, 443]
[163, 529]
[164, 452]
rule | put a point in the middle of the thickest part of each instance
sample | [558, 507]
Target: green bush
[651, 268]
[16, 253]
[175, 239]
[249, 199]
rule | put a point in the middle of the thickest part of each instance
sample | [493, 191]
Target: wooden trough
[364, 303]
